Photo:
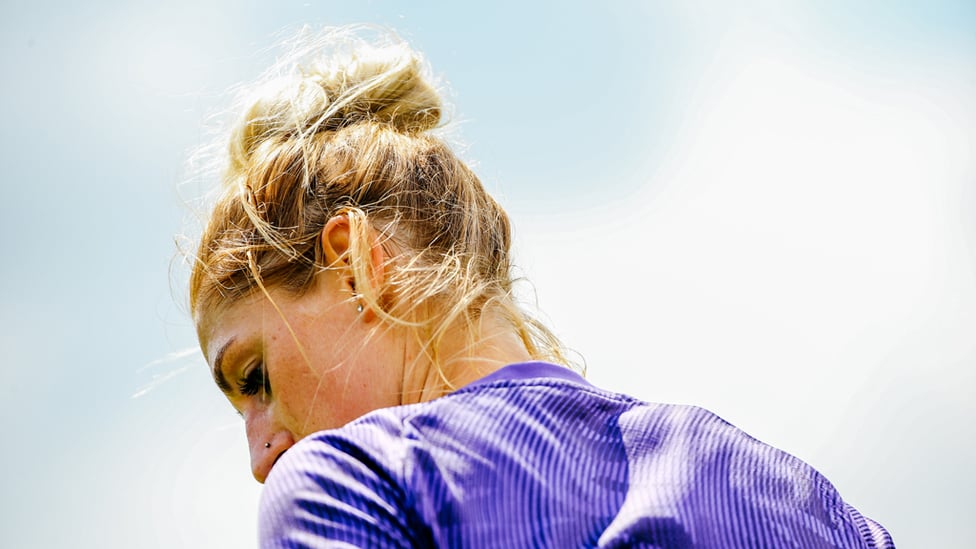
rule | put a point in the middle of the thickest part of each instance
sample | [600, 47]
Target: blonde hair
[342, 126]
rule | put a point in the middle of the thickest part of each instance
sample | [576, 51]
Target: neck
[462, 360]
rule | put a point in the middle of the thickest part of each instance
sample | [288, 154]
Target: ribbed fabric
[534, 456]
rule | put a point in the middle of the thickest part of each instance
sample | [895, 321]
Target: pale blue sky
[767, 210]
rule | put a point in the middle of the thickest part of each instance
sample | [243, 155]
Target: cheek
[293, 383]
[310, 403]
[294, 389]
[314, 390]
[335, 380]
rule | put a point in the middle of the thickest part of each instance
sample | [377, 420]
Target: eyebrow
[218, 368]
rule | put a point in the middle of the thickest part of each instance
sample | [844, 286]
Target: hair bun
[383, 84]
[336, 80]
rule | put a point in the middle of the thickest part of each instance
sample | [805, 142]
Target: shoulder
[723, 487]
[341, 486]
[402, 476]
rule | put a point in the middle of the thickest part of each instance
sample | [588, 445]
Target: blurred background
[765, 210]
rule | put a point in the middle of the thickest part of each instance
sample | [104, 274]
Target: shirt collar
[531, 370]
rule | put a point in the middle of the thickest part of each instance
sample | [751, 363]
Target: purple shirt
[534, 456]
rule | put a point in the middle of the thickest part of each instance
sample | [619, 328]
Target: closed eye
[255, 381]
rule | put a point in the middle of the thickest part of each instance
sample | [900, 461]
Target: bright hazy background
[766, 210]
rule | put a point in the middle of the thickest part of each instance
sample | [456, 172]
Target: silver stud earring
[267, 445]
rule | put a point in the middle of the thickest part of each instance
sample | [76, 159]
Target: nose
[266, 440]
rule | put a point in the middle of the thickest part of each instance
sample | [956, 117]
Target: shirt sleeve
[332, 490]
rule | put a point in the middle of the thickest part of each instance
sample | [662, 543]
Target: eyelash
[254, 382]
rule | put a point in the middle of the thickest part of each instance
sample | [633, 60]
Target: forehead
[217, 324]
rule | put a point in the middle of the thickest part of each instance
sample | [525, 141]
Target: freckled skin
[342, 370]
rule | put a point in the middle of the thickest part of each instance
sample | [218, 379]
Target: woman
[352, 295]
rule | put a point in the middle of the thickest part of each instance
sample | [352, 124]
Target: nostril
[277, 458]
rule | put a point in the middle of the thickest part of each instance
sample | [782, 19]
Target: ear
[338, 243]
[335, 241]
